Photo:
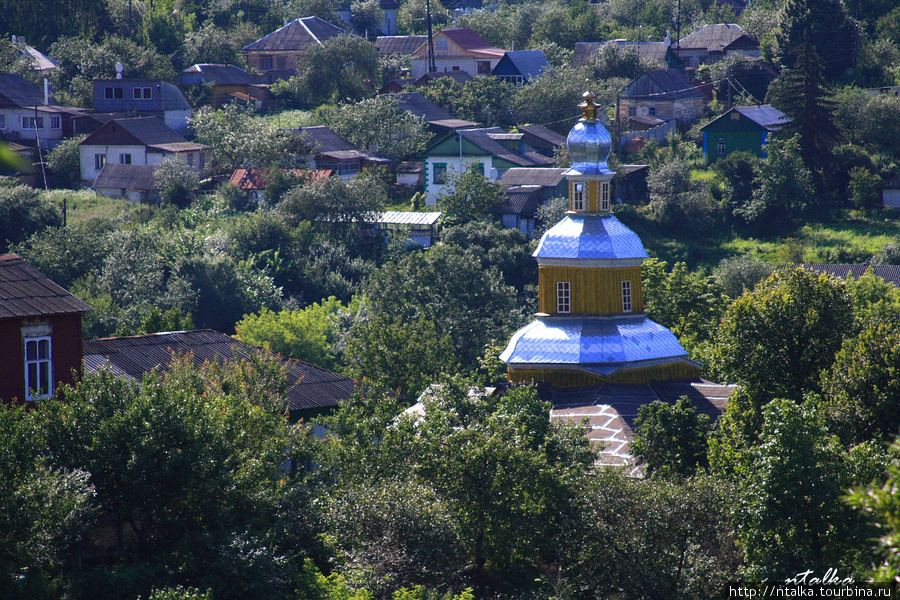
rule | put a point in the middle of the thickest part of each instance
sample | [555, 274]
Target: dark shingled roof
[150, 131]
[542, 133]
[26, 292]
[126, 177]
[664, 84]
[399, 44]
[19, 91]
[714, 38]
[419, 105]
[324, 140]
[484, 140]
[309, 387]
[296, 35]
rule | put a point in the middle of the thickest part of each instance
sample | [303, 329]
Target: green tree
[777, 339]
[65, 159]
[865, 188]
[800, 93]
[486, 100]
[176, 182]
[468, 196]
[342, 69]
[676, 198]
[825, 27]
[670, 439]
[214, 45]
[412, 16]
[740, 274]
[380, 126]
[164, 28]
[366, 17]
[23, 212]
[304, 334]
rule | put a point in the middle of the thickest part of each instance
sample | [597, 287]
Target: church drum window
[563, 297]
[626, 296]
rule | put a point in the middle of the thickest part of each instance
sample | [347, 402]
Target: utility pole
[431, 67]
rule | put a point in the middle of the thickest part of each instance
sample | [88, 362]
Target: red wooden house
[40, 333]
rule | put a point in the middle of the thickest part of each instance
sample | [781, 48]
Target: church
[596, 353]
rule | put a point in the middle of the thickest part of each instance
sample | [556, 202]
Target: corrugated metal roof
[310, 387]
[605, 344]
[546, 177]
[399, 44]
[590, 237]
[519, 200]
[395, 217]
[482, 138]
[296, 35]
[131, 177]
[890, 273]
[39, 60]
[26, 292]
[765, 115]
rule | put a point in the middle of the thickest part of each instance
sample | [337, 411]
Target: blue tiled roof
[590, 237]
[601, 344]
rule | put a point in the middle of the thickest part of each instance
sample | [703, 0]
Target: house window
[626, 296]
[113, 93]
[480, 168]
[265, 62]
[455, 68]
[563, 297]
[190, 159]
[99, 161]
[632, 111]
[516, 80]
[142, 93]
[55, 122]
[30, 122]
[578, 196]
[138, 94]
[720, 146]
[484, 67]
[604, 195]
[38, 368]
[735, 116]
[348, 168]
[440, 173]
[124, 159]
[440, 44]
[651, 111]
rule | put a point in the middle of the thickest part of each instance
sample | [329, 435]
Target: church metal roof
[600, 344]
[590, 237]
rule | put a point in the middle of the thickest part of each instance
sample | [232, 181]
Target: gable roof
[663, 84]
[419, 105]
[765, 116]
[309, 386]
[221, 74]
[26, 292]
[324, 140]
[296, 35]
[148, 131]
[654, 52]
[399, 44]
[486, 139]
[126, 177]
[544, 177]
[470, 41]
[542, 133]
[20, 92]
[716, 38]
[529, 63]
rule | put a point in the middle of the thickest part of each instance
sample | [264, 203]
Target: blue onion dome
[589, 142]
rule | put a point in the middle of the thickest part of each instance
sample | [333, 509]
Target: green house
[741, 129]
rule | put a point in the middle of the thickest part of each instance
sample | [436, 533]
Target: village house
[138, 141]
[520, 66]
[225, 81]
[323, 149]
[458, 50]
[26, 115]
[493, 149]
[275, 55]
[667, 94]
[712, 43]
[40, 333]
[145, 97]
[131, 182]
[741, 129]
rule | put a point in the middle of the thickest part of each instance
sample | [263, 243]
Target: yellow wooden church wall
[678, 371]
[595, 291]
[592, 195]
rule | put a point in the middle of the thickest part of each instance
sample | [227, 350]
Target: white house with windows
[493, 149]
[138, 141]
[26, 116]
[457, 50]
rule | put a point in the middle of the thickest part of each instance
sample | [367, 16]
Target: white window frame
[38, 367]
[604, 195]
[99, 161]
[32, 123]
[578, 196]
[563, 297]
[626, 297]
[125, 159]
[720, 146]
[55, 122]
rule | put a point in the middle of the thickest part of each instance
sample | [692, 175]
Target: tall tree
[824, 25]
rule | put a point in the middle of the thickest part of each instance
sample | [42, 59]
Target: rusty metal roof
[309, 387]
[26, 292]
